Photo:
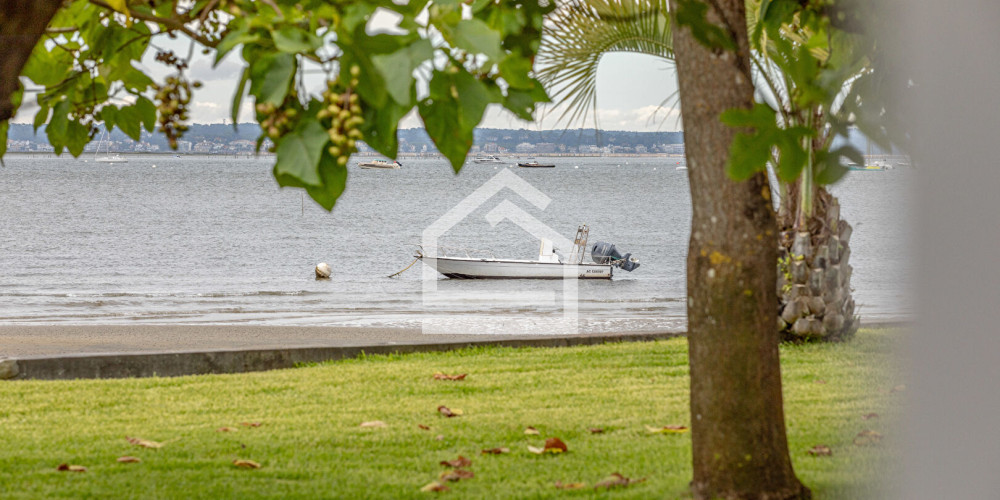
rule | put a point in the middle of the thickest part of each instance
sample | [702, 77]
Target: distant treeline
[505, 138]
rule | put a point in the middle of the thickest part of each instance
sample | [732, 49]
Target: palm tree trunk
[814, 280]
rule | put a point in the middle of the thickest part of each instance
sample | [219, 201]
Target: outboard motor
[605, 253]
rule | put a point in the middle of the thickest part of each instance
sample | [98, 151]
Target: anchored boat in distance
[535, 164]
[548, 266]
[487, 159]
[380, 164]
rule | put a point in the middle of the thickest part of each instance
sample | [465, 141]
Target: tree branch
[171, 23]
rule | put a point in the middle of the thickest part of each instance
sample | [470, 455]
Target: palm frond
[579, 32]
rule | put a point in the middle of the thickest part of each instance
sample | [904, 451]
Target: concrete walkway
[71, 352]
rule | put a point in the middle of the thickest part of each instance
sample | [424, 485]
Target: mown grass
[310, 443]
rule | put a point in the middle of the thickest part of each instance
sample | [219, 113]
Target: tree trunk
[22, 23]
[814, 280]
[739, 446]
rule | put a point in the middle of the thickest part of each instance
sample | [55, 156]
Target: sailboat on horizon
[108, 156]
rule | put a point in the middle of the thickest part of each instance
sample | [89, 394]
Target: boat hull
[464, 268]
[535, 165]
[383, 165]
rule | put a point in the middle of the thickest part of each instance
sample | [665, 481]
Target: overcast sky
[630, 91]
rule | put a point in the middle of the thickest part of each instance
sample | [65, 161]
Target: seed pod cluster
[342, 117]
[172, 98]
[276, 121]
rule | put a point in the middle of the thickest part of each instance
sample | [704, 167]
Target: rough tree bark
[22, 23]
[738, 431]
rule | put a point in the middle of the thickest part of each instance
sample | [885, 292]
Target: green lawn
[311, 444]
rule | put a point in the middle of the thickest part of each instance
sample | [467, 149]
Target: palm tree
[815, 300]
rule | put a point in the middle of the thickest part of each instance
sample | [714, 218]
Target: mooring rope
[405, 268]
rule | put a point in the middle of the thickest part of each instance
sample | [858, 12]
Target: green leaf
[380, 125]
[750, 151]
[42, 116]
[129, 120]
[476, 37]
[397, 69]
[241, 90]
[56, 129]
[694, 14]
[146, 111]
[829, 168]
[371, 86]
[453, 109]
[516, 71]
[77, 136]
[774, 13]
[270, 77]
[236, 36]
[298, 155]
[334, 178]
[293, 40]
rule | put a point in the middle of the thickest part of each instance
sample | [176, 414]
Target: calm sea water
[214, 240]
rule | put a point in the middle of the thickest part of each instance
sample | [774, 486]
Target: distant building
[545, 148]
[525, 147]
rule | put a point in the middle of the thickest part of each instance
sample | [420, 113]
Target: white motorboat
[380, 164]
[548, 266]
[487, 159]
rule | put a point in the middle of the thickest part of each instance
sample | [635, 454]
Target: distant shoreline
[11, 154]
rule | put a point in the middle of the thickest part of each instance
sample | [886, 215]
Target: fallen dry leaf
[424, 427]
[616, 480]
[456, 475]
[226, 429]
[596, 430]
[442, 376]
[246, 464]
[821, 381]
[570, 486]
[667, 429]
[898, 388]
[457, 463]
[435, 486]
[820, 450]
[496, 451]
[439, 437]
[129, 460]
[448, 412]
[145, 443]
[555, 443]
[867, 437]
[250, 424]
[552, 445]
[71, 468]
[531, 431]
[869, 416]
[375, 424]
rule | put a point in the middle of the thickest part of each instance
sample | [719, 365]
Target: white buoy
[154, 166]
[322, 271]
[576, 166]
